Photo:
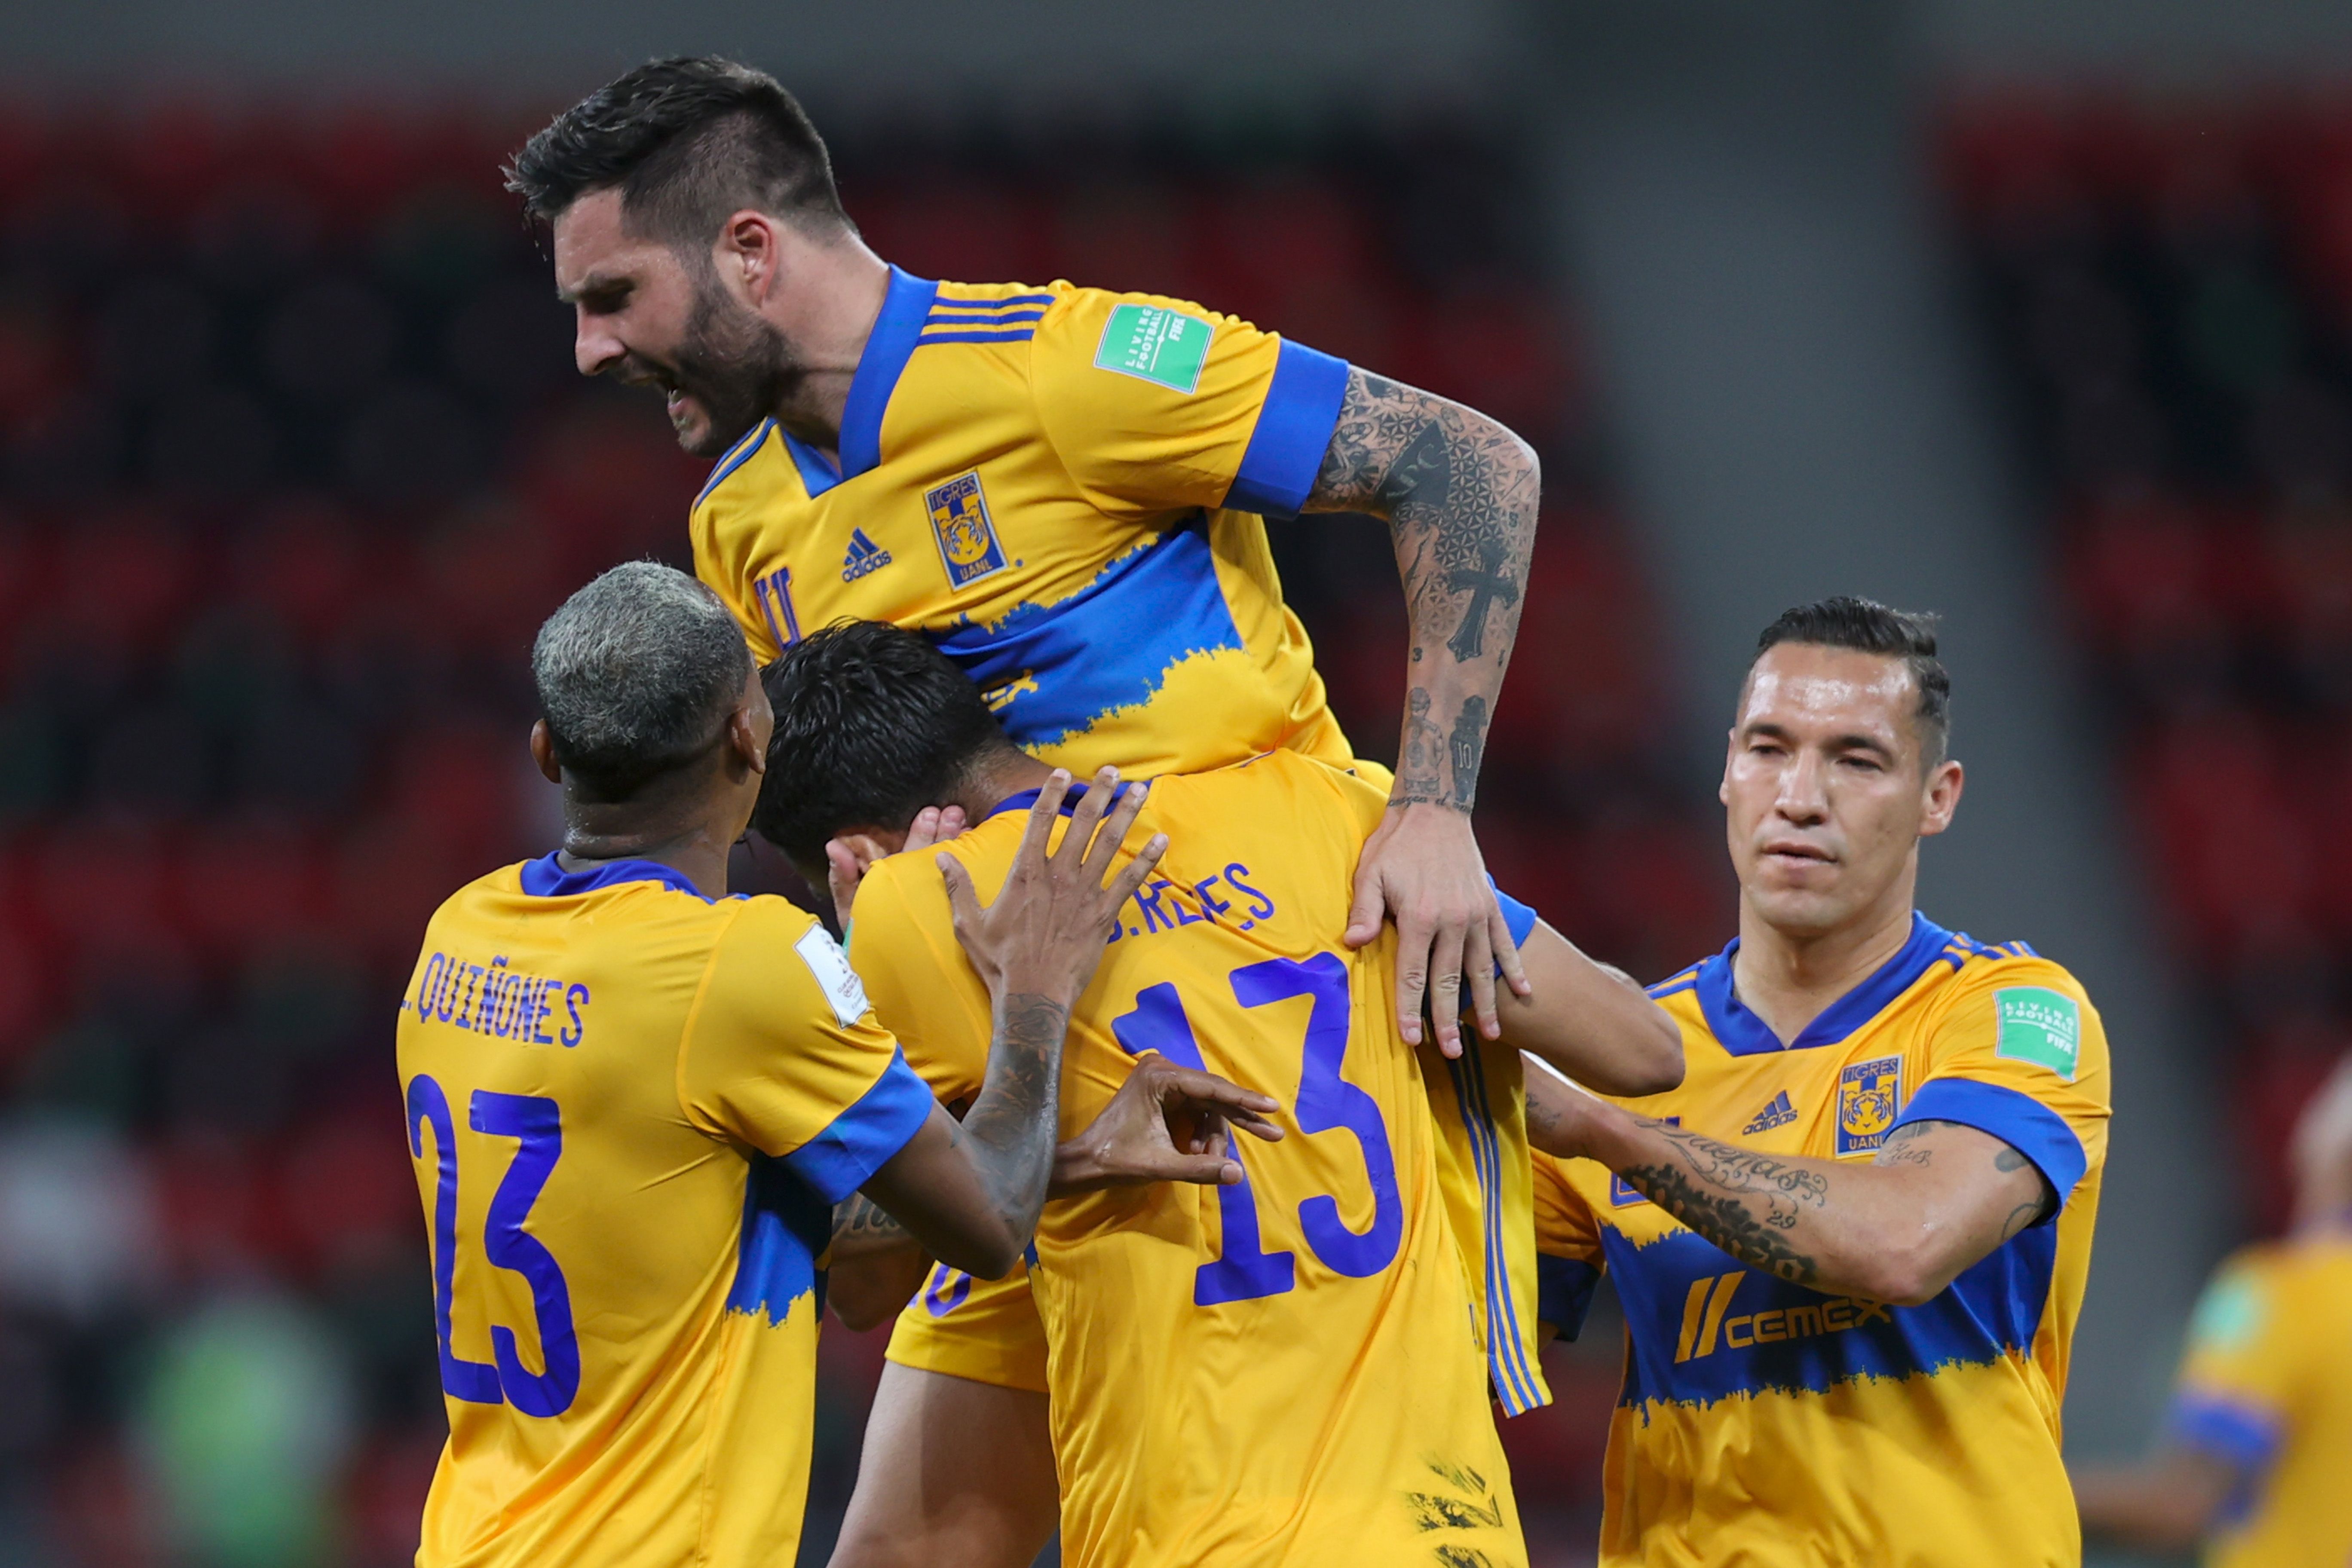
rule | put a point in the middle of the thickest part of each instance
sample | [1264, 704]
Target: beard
[736, 367]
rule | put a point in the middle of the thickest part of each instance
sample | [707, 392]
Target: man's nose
[1804, 795]
[595, 347]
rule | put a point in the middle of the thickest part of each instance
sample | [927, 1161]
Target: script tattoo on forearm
[1898, 1148]
[1460, 493]
[858, 1221]
[1012, 1128]
[1740, 1200]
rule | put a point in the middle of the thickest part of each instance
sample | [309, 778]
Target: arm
[1937, 1197]
[1166, 1123]
[969, 1191]
[1590, 1021]
[2166, 1505]
[1459, 493]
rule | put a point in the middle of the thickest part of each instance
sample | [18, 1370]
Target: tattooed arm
[970, 1191]
[1937, 1197]
[1459, 494]
[877, 1265]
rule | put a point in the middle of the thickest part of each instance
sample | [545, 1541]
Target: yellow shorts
[987, 1330]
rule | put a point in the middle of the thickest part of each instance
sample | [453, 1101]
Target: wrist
[1076, 1166]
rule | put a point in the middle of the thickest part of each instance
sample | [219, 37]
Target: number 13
[1326, 1103]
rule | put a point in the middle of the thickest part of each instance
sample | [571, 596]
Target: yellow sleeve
[782, 1053]
[1155, 404]
[2238, 1382]
[1568, 1249]
[2021, 1054]
[902, 943]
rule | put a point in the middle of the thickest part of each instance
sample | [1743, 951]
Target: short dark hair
[873, 724]
[1865, 626]
[636, 674]
[688, 141]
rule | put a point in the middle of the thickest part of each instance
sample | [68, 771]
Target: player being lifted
[1276, 1371]
[634, 1102]
[1064, 489]
[1852, 1246]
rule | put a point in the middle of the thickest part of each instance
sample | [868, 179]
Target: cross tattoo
[1485, 587]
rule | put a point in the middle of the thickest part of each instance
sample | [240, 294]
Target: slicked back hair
[636, 674]
[873, 724]
[688, 141]
[1865, 626]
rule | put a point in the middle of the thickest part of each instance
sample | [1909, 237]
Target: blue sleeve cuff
[2238, 1434]
[1564, 1292]
[862, 1139]
[1294, 430]
[1516, 915]
[2017, 1120]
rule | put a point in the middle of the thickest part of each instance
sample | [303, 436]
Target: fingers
[1445, 986]
[1364, 914]
[1507, 953]
[962, 899]
[1216, 1101]
[1414, 940]
[1083, 820]
[841, 875]
[953, 822]
[924, 831]
[1040, 828]
[1114, 834]
[1478, 969]
[1202, 1170]
[1131, 875]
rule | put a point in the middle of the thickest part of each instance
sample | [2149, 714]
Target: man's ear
[1942, 798]
[750, 250]
[743, 739]
[542, 751]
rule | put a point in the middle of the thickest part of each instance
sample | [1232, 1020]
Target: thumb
[1370, 903]
[1200, 1170]
[961, 899]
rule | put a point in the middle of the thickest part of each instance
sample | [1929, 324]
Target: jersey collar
[1028, 797]
[1743, 1034]
[545, 878]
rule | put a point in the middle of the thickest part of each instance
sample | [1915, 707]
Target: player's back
[625, 1288]
[1282, 1371]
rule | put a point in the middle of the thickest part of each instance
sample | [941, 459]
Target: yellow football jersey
[1764, 1422]
[2267, 1387]
[1280, 1372]
[1062, 488]
[631, 1110]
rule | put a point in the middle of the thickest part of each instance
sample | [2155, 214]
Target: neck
[827, 315]
[997, 778]
[1788, 978]
[694, 844]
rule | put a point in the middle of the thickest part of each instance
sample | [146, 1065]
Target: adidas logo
[1779, 1114]
[864, 556]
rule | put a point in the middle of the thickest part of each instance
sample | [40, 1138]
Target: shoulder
[2014, 981]
[1154, 338]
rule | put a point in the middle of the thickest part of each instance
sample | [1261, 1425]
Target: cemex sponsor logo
[1709, 1323]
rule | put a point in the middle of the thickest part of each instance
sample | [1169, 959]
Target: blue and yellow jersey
[2267, 1389]
[1279, 1372]
[1062, 488]
[1762, 1421]
[631, 1110]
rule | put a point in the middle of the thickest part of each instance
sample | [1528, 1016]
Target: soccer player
[1278, 1369]
[634, 1102]
[1064, 489]
[1851, 1244]
[2259, 1451]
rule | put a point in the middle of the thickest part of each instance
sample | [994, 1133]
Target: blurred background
[2038, 315]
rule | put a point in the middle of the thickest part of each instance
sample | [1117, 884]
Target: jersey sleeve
[2021, 1054]
[2238, 1380]
[1153, 404]
[782, 1053]
[1567, 1247]
[902, 944]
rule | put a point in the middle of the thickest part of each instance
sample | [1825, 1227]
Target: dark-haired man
[634, 1102]
[1064, 489]
[1851, 1244]
[1277, 1371]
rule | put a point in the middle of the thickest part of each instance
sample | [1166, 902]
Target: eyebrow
[595, 284]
